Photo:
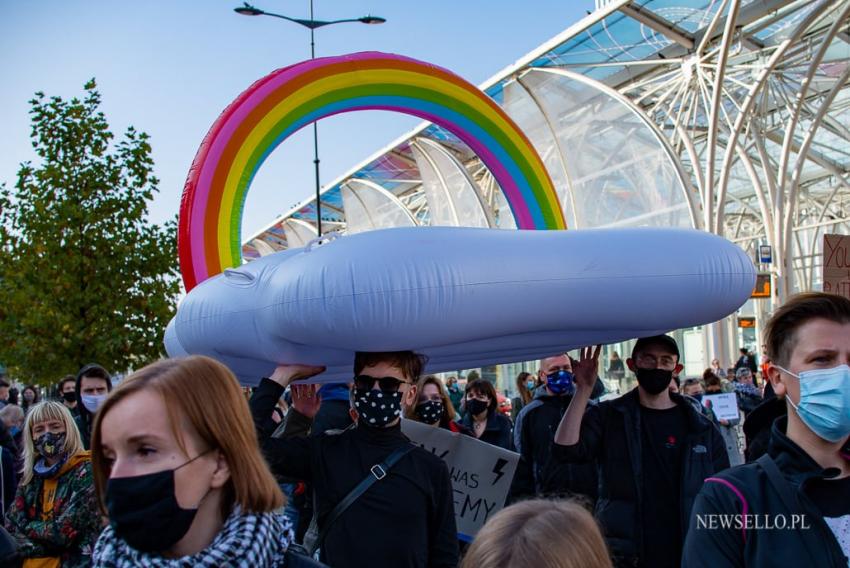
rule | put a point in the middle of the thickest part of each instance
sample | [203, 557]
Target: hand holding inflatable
[285, 374]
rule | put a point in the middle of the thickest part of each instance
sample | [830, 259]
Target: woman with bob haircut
[539, 534]
[178, 471]
[54, 517]
[481, 418]
[434, 407]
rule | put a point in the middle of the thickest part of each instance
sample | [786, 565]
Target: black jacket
[734, 546]
[497, 432]
[610, 434]
[534, 433]
[406, 519]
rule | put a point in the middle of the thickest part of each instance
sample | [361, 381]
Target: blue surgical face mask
[824, 401]
[530, 385]
[560, 382]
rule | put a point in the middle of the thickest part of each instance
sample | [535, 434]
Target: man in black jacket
[406, 518]
[652, 450]
[93, 386]
[534, 431]
[792, 506]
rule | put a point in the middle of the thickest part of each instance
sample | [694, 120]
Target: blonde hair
[449, 409]
[539, 534]
[203, 393]
[42, 412]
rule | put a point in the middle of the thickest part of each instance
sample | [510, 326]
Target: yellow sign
[763, 288]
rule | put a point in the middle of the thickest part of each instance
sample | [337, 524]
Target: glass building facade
[731, 117]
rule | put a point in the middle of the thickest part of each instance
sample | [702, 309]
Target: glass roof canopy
[721, 115]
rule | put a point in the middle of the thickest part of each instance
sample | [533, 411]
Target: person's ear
[222, 471]
[411, 396]
[353, 414]
[541, 377]
[631, 364]
[678, 369]
[775, 377]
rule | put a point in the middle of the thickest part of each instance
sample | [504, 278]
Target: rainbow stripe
[288, 99]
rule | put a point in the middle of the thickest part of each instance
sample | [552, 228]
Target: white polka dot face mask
[377, 408]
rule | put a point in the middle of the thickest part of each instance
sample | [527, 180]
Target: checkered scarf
[245, 541]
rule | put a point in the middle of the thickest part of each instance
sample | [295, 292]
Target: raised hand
[306, 399]
[586, 368]
[285, 374]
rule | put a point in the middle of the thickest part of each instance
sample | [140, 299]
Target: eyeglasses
[386, 384]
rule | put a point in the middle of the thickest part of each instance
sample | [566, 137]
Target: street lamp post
[312, 24]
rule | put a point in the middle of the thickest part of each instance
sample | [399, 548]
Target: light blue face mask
[824, 401]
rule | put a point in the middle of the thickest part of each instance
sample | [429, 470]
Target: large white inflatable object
[464, 297]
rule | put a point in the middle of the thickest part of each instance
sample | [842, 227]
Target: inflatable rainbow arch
[288, 99]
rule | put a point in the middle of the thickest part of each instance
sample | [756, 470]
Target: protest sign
[836, 265]
[725, 406]
[481, 473]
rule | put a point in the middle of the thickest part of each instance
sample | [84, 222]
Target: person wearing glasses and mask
[652, 448]
[406, 517]
[535, 428]
[800, 489]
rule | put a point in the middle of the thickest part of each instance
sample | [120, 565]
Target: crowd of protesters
[175, 466]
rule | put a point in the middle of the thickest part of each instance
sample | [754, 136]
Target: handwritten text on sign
[725, 406]
[836, 265]
[481, 473]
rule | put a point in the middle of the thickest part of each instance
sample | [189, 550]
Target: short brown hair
[486, 388]
[449, 409]
[780, 332]
[408, 362]
[192, 390]
[542, 534]
[66, 379]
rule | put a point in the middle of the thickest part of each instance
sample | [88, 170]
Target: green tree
[84, 275]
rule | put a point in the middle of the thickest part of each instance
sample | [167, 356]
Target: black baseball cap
[662, 340]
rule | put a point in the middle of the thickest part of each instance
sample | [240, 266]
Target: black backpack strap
[376, 473]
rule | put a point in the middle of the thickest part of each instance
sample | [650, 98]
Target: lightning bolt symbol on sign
[497, 469]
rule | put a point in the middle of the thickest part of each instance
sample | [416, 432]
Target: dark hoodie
[534, 434]
[748, 489]
[83, 417]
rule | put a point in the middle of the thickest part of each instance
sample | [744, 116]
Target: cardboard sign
[725, 406]
[836, 265]
[481, 473]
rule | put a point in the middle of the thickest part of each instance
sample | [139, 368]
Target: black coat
[497, 432]
[812, 546]
[610, 434]
[406, 519]
[534, 433]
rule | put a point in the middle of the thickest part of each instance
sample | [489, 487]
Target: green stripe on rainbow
[288, 99]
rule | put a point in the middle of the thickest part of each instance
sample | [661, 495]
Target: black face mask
[653, 381]
[144, 512]
[70, 396]
[476, 407]
[430, 411]
[377, 408]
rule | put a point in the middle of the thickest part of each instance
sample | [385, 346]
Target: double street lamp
[311, 24]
